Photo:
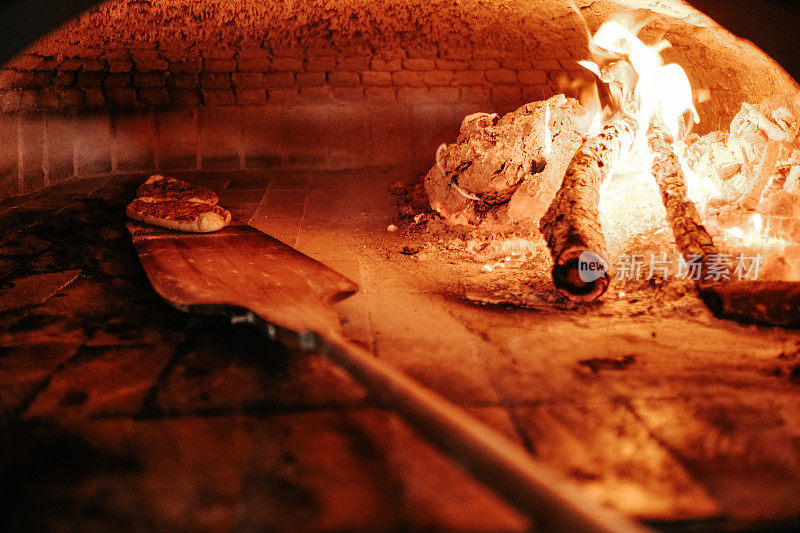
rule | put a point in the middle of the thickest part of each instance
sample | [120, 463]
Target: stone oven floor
[117, 412]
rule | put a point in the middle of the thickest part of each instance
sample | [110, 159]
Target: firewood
[770, 303]
[571, 226]
[691, 237]
[763, 172]
[772, 130]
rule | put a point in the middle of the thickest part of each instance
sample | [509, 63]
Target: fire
[641, 85]
[638, 80]
[701, 191]
[754, 233]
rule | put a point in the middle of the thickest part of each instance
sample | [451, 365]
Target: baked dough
[159, 187]
[181, 215]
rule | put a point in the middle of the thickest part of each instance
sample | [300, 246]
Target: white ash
[504, 170]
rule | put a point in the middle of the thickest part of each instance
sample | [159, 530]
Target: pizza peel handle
[249, 276]
[496, 461]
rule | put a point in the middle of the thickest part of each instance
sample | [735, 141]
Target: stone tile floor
[118, 412]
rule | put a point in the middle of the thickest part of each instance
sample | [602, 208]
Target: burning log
[571, 225]
[690, 235]
[770, 303]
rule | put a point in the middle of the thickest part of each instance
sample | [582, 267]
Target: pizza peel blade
[238, 270]
[249, 276]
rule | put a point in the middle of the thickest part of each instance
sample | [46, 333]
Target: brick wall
[256, 76]
[131, 110]
[213, 84]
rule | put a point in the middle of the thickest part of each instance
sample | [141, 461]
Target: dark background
[773, 25]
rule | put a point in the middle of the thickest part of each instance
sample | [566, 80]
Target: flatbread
[181, 215]
[158, 187]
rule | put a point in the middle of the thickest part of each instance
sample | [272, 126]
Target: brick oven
[315, 122]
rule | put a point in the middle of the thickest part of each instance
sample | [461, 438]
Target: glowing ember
[754, 233]
[701, 191]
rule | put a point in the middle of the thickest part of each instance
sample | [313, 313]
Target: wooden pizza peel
[251, 277]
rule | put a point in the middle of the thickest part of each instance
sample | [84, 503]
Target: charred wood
[691, 237]
[571, 226]
[770, 303]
